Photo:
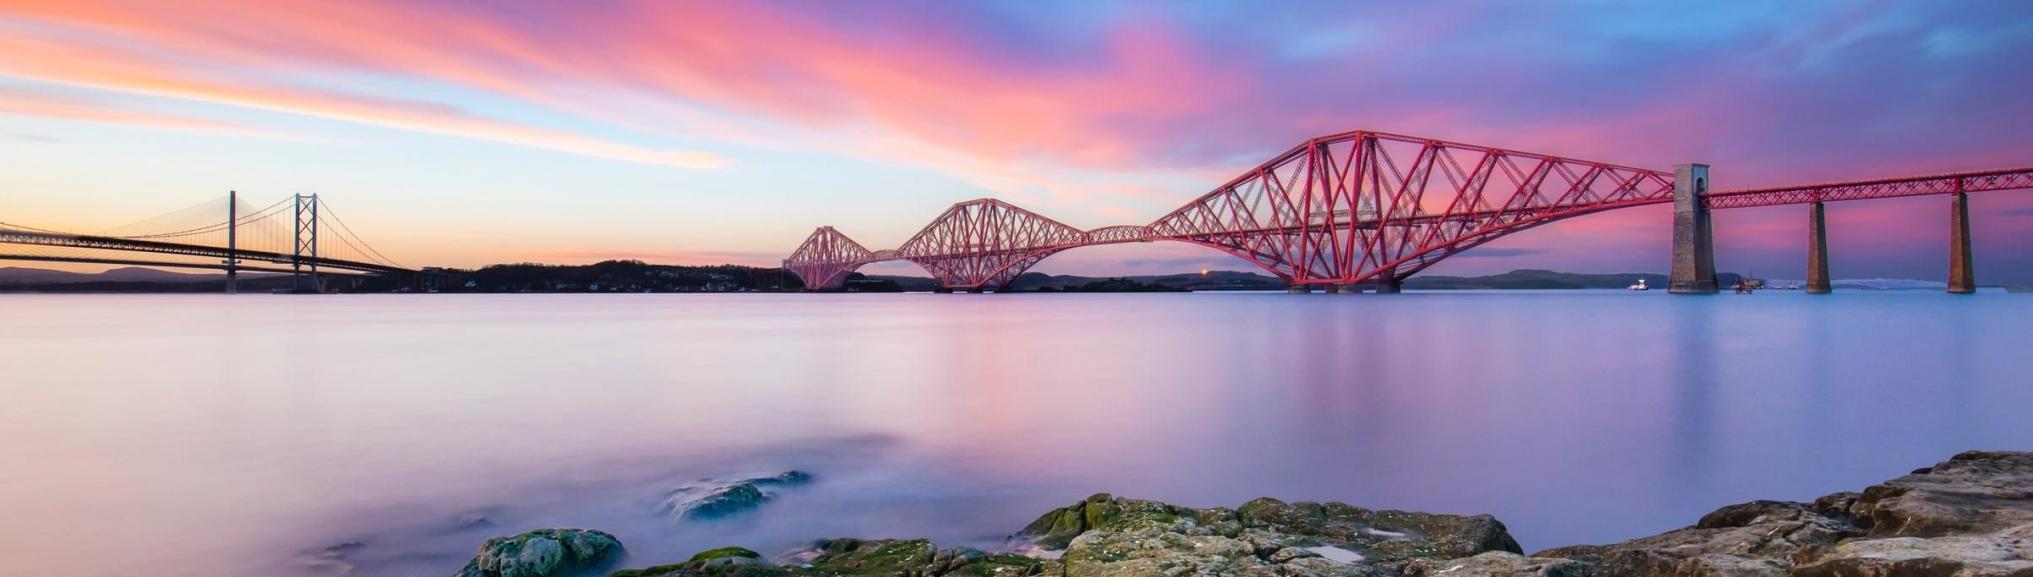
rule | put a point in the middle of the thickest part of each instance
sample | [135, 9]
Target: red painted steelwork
[1974, 181]
[1351, 208]
[825, 259]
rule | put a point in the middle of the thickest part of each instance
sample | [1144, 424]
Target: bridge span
[1365, 208]
[226, 235]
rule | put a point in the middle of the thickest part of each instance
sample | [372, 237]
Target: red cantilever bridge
[1371, 208]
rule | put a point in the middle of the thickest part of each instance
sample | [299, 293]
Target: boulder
[710, 499]
[1974, 492]
[1110, 536]
[1755, 538]
[544, 553]
[1382, 537]
[1970, 516]
[853, 558]
[2007, 553]
[1495, 564]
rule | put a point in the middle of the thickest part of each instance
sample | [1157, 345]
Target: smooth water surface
[390, 435]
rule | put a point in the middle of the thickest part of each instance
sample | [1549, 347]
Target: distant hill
[1235, 280]
[1210, 281]
[18, 275]
[1546, 279]
[632, 276]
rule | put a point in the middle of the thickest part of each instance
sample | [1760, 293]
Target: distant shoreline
[638, 277]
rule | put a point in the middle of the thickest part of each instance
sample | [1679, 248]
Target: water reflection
[1694, 379]
[312, 435]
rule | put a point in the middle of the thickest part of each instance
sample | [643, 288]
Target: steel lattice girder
[1342, 209]
[1974, 181]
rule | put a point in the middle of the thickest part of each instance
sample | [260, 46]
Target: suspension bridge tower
[305, 247]
[233, 242]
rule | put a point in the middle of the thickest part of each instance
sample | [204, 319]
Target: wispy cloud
[1094, 114]
[29, 138]
[99, 54]
[23, 102]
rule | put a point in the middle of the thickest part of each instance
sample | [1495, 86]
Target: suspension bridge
[1365, 210]
[299, 235]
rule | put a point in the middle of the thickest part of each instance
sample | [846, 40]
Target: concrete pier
[1817, 250]
[1331, 289]
[1298, 289]
[1390, 287]
[1962, 277]
[1693, 235]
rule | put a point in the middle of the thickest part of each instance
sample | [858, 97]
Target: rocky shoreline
[1970, 516]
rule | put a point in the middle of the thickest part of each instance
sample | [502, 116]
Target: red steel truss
[1352, 208]
[826, 257]
[984, 244]
[1975, 181]
[1373, 207]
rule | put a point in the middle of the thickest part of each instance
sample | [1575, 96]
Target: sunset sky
[465, 133]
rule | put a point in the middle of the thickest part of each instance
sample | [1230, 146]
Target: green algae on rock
[544, 553]
[858, 558]
[1970, 516]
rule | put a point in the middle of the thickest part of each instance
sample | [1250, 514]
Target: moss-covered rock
[1384, 537]
[855, 558]
[544, 553]
[1108, 535]
[1102, 511]
[725, 552]
[1969, 517]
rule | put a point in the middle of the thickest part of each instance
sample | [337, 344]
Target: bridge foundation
[1298, 289]
[1390, 287]
[1693, 235]
[1961, 274]
[1331, 289]
[1817, 249]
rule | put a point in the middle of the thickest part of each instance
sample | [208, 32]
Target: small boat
[1640, 286]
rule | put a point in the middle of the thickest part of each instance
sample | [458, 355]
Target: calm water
[203, 435]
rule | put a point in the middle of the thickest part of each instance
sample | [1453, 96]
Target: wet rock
[916, 558]
[1108, 536]
[1974, 492]
[1755, 538]
[1971, 516]
[714, 500]
[544, 553]
[336, 559]
[854, 558]
[724, 553]
[1382, 537]
[1494, 564]
[2007, 553]
[474, 520]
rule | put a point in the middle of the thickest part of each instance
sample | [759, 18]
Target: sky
[455, 133]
